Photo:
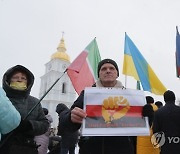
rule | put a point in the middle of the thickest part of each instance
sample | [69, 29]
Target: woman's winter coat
[24, 102]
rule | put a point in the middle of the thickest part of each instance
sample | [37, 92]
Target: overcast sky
[30, 31]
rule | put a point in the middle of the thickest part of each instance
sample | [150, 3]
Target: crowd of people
[25, 126]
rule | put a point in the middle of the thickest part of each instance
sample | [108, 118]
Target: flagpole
[125, 81]
[11, 133]
[177, 30]
[126, 68]
[44, 95]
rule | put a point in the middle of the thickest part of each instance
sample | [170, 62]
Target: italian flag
[83, 70]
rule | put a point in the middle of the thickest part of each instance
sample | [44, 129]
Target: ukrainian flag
[135, 65]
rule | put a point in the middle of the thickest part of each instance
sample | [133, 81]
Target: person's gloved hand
[114, 108]
[24, 126]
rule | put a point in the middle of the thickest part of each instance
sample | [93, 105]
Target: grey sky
[30, 31]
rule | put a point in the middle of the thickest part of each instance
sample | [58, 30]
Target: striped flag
[177, 53]
[83, 70]
[135, 65]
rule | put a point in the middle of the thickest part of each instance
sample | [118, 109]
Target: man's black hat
[108, 61]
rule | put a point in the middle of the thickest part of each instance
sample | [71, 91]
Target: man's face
[19, 77]
[108, 73]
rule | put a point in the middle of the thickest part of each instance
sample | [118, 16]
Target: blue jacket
[9, 116]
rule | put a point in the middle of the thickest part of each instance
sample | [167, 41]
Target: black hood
[61, 107]
[14, 92]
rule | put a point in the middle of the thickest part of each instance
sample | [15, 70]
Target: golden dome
[61, 52]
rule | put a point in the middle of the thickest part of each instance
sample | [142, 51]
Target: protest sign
[114, 112]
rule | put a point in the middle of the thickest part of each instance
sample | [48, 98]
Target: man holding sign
[108, 73]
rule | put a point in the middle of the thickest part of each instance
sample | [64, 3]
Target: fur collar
[118, 84]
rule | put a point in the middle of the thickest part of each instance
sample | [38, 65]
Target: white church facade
[62, 91]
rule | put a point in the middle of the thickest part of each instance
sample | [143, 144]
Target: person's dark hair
[45, 111]
[159, 104]
[108, 61]
[169, 96]
[149, 100]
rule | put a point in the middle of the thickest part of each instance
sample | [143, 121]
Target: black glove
[24, 126]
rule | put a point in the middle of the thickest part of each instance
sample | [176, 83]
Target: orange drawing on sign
[111, 110]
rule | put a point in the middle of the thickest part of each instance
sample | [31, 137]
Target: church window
[64, 87]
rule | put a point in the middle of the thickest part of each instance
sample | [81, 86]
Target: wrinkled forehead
[107, 65]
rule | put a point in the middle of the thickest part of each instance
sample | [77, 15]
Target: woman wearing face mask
[17, 83]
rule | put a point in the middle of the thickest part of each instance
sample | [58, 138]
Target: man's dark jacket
[167, 120]
[97, 144]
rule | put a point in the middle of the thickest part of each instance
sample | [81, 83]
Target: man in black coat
[108, 73]
[167, 125]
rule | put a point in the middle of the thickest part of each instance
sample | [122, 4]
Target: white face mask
[18, 85]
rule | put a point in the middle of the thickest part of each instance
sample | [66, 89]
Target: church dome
[61, 52]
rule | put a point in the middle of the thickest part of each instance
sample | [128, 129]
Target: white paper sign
[114, 112]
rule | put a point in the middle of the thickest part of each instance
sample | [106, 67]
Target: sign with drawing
[114, 112]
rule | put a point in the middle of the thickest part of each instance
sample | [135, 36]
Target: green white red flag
[83, 70]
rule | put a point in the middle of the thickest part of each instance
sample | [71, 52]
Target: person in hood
[166, 125]
[68, 139]
[17, 83]
[108, 73]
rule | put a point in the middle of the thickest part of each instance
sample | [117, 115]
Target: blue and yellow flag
[135, 65]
